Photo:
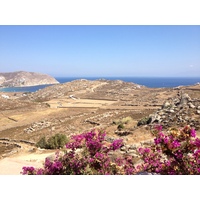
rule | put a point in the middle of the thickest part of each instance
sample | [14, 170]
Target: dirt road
[13, 165]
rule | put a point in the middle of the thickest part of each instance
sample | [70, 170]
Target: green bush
[55, 142]
[144, 121]
[42, 143]
[124, 120]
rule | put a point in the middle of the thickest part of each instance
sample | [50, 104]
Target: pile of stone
[179, 111]
[132, 149]
[123, 132]
[101, 118]
[37, 126]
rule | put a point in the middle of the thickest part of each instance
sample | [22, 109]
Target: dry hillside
[82, 105]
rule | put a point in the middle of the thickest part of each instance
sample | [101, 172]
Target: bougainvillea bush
[174, 152]
[86, 153]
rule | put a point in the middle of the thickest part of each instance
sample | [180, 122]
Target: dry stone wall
[179, 111]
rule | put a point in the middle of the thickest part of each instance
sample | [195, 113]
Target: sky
[101, 50]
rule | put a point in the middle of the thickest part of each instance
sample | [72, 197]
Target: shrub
[124, 120]
[144, 121]
[55, 142]
[120, 126]
[42, 143]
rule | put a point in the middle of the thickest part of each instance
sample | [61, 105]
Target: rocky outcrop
[23, 79]
[179, 111]
[2, 80]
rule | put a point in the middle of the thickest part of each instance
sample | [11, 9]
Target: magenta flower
[192, 133]
[158, 127]
[161, 134]
[180, 155]
[40, 172]
[28, 170]
[176, 144]
[166, 140]
[116, 144]
[197, 142]
[99, 155]
[157, 141]
[146, 150]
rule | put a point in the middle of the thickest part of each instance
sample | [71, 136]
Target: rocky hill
[22, 79]
[86, 89]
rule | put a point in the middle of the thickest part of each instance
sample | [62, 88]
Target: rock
[123, 148]
[5, 96]
[191, 105]
[166, 105]
[122, 133]
[134, 146]
[198, 112]
[2, 80]
[184, 99]
[161, 113]
[148, 142]
[170, 111]
[133, 154]
[109, 139]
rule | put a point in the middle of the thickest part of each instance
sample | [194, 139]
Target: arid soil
[82, 105]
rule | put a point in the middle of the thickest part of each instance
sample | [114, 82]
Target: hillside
[120, 108]
[23, 79]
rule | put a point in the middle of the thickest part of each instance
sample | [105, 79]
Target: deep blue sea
[152, 82]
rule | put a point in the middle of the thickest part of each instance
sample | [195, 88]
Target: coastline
[150, 82]
[24, 88]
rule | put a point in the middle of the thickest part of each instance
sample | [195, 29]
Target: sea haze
[152, 82]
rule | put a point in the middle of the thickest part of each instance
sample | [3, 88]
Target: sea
[151, 82]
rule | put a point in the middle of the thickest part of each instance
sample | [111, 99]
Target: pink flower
[197, 142]
[146, 150]
[161, 134]
[192, 133]
[176, 144]
[158, 127]
[116, 144]
[157, 141]
[166, 140]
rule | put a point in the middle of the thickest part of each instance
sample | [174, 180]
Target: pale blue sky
[101, 51]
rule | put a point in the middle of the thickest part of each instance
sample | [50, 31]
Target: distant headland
[23, 79]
